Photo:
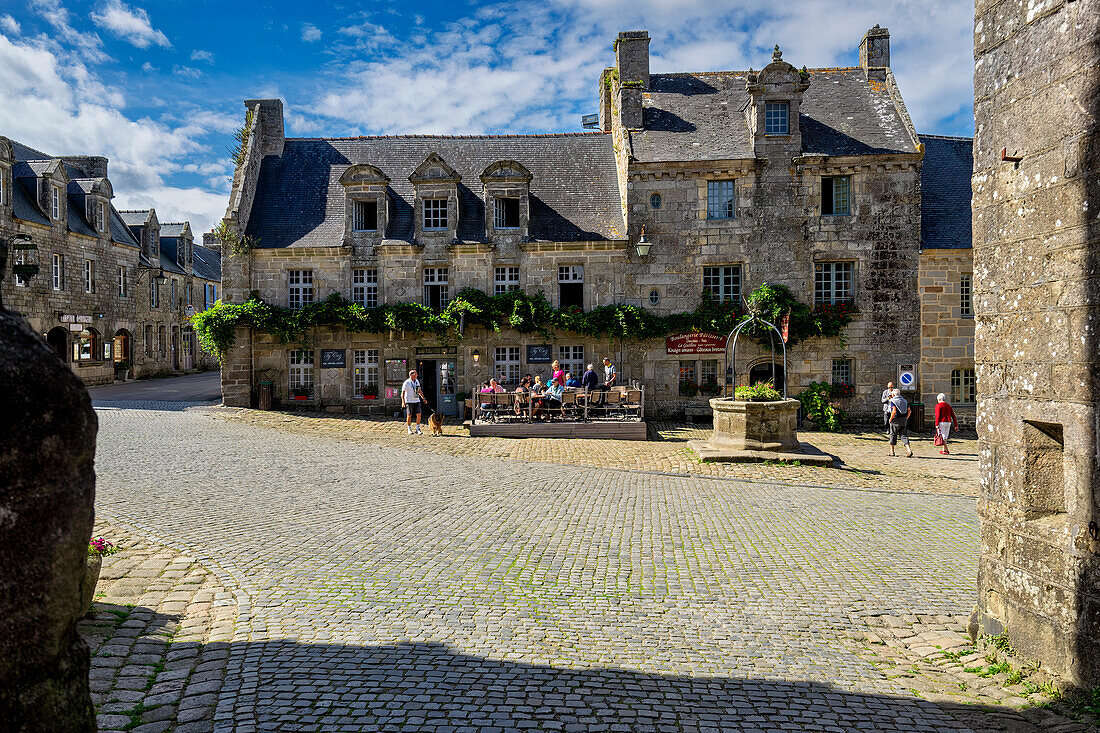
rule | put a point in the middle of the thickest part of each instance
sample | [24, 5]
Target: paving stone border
[159, 632]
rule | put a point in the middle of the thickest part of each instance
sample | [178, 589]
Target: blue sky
[158, 86]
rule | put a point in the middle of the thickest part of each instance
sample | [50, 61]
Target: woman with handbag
[945, 420]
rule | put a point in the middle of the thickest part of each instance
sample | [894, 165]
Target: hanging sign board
[334, 358]
[695, 343]
[538, 354]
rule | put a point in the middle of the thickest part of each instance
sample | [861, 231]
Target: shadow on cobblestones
[288, 686]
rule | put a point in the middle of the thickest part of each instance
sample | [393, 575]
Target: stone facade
[91, 298]
[947, 330]
[821, 170]
[1036, 245]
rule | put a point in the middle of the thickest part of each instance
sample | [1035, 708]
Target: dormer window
[364, 216]
[435, 214]
[777, 118]
[506, 212]
[55, 202]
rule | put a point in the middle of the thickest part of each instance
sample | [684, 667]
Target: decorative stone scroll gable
[506, 186]
[435, 180]
[778, 82]
[365, 186]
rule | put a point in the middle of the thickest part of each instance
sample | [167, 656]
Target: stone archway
[123, 351]
[58, 340]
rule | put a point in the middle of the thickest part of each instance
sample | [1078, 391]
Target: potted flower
[122, 369]
[841, 390]
[299, 393]
[688, 388]
[97, 548]
[370, 392]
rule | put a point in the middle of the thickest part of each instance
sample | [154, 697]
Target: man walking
[886, 394]
[589, 380]
[411, 399]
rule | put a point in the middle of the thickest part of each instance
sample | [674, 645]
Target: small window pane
[966, 306]
[435, 213]
[436, 287]
[506, 362]
[364, 287]
[505, 280]
[720, 200]
[301, 373]
[506, 213]
[963, 386]
[776, 116]
[842, 371]
[724, 283]
[364, 370]
[836, 196]
[832, 282]
[364, 216]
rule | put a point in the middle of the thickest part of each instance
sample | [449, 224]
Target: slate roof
[135, 218]
[574, 190]
[30, 163]
[945, 221]
[701, 116]
[208, 263]
[168, 248]
[172, 229]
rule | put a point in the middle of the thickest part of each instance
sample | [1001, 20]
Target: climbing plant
[518, 311]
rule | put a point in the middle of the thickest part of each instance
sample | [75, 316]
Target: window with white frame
[964, 386]
[708, 371]
[123, 281]
[103, 221]
[506, 361]
[832, 282]
[506, 212]
[154, 293]
[210, 294]
[299, 288]
[364, 371]
[55, 202]
[301, 373]
[723, 283]
[364, 287]
[58, 271]
[364, 216]
[842, 371]
[437, 289]
[720, 200]
[687, 378]
[776, 118]
[505, 280]
[966, 303]
[571, 286]
[435, 213]
[572, 360]
[89, 276]
[836, 196]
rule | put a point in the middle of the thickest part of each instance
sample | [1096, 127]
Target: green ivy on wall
[216, 326]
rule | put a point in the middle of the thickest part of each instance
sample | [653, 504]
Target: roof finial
[777, 55]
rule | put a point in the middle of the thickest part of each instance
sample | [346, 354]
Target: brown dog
[435, 422]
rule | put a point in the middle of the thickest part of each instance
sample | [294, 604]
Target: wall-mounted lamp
[642, 245]
[477, 356]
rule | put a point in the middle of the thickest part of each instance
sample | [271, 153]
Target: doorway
[762, 372]
[426, 370]
[58, 339]
[175, 348]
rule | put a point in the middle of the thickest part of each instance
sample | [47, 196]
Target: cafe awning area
[614, 414]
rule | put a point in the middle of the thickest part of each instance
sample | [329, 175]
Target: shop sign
[695, 343]
[334, 358]
[70, 318]
[538, 354]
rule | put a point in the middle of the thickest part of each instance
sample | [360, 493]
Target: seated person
[521, 393]
[571, 381]
[538, 387]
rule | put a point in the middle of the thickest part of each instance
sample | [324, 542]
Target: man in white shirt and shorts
[411, 399]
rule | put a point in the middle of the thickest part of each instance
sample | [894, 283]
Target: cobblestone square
[391, 586]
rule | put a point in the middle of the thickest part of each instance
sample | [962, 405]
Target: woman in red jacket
[945, 420]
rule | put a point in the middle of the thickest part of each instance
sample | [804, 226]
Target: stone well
[758, 426]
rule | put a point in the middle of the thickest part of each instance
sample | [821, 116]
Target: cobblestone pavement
[382, 588]
[863, 460]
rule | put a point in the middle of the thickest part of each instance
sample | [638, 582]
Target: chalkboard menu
[334, 358]
[538, 354]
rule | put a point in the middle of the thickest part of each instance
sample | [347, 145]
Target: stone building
[96, 296]
[947, 275]
[1037, 277]
[809, 178]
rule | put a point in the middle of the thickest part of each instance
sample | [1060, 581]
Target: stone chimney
[268, 125]
[632, 63]
[94, 166]
[874, 52]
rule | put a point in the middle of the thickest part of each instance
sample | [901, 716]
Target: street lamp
[642, 245]
[477, 356]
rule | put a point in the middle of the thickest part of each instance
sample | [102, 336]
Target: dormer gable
[436, 205]
[145, 227]
[507, 189]
[775, 97]
[92, 197]
[366, 202]
[52, 184]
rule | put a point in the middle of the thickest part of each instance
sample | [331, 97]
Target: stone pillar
[47, 448]
[1037, 352]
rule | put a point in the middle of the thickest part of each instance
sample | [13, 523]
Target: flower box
[300, 397]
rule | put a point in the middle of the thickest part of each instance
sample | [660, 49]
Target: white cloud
[148, 68]
[187, 72]
[130, 24]
[64, 110]
[310, 33]
[200, 55]
[88, 46]
[10, 25]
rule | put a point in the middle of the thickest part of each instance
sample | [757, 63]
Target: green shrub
[816, 407]
[759, 392]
